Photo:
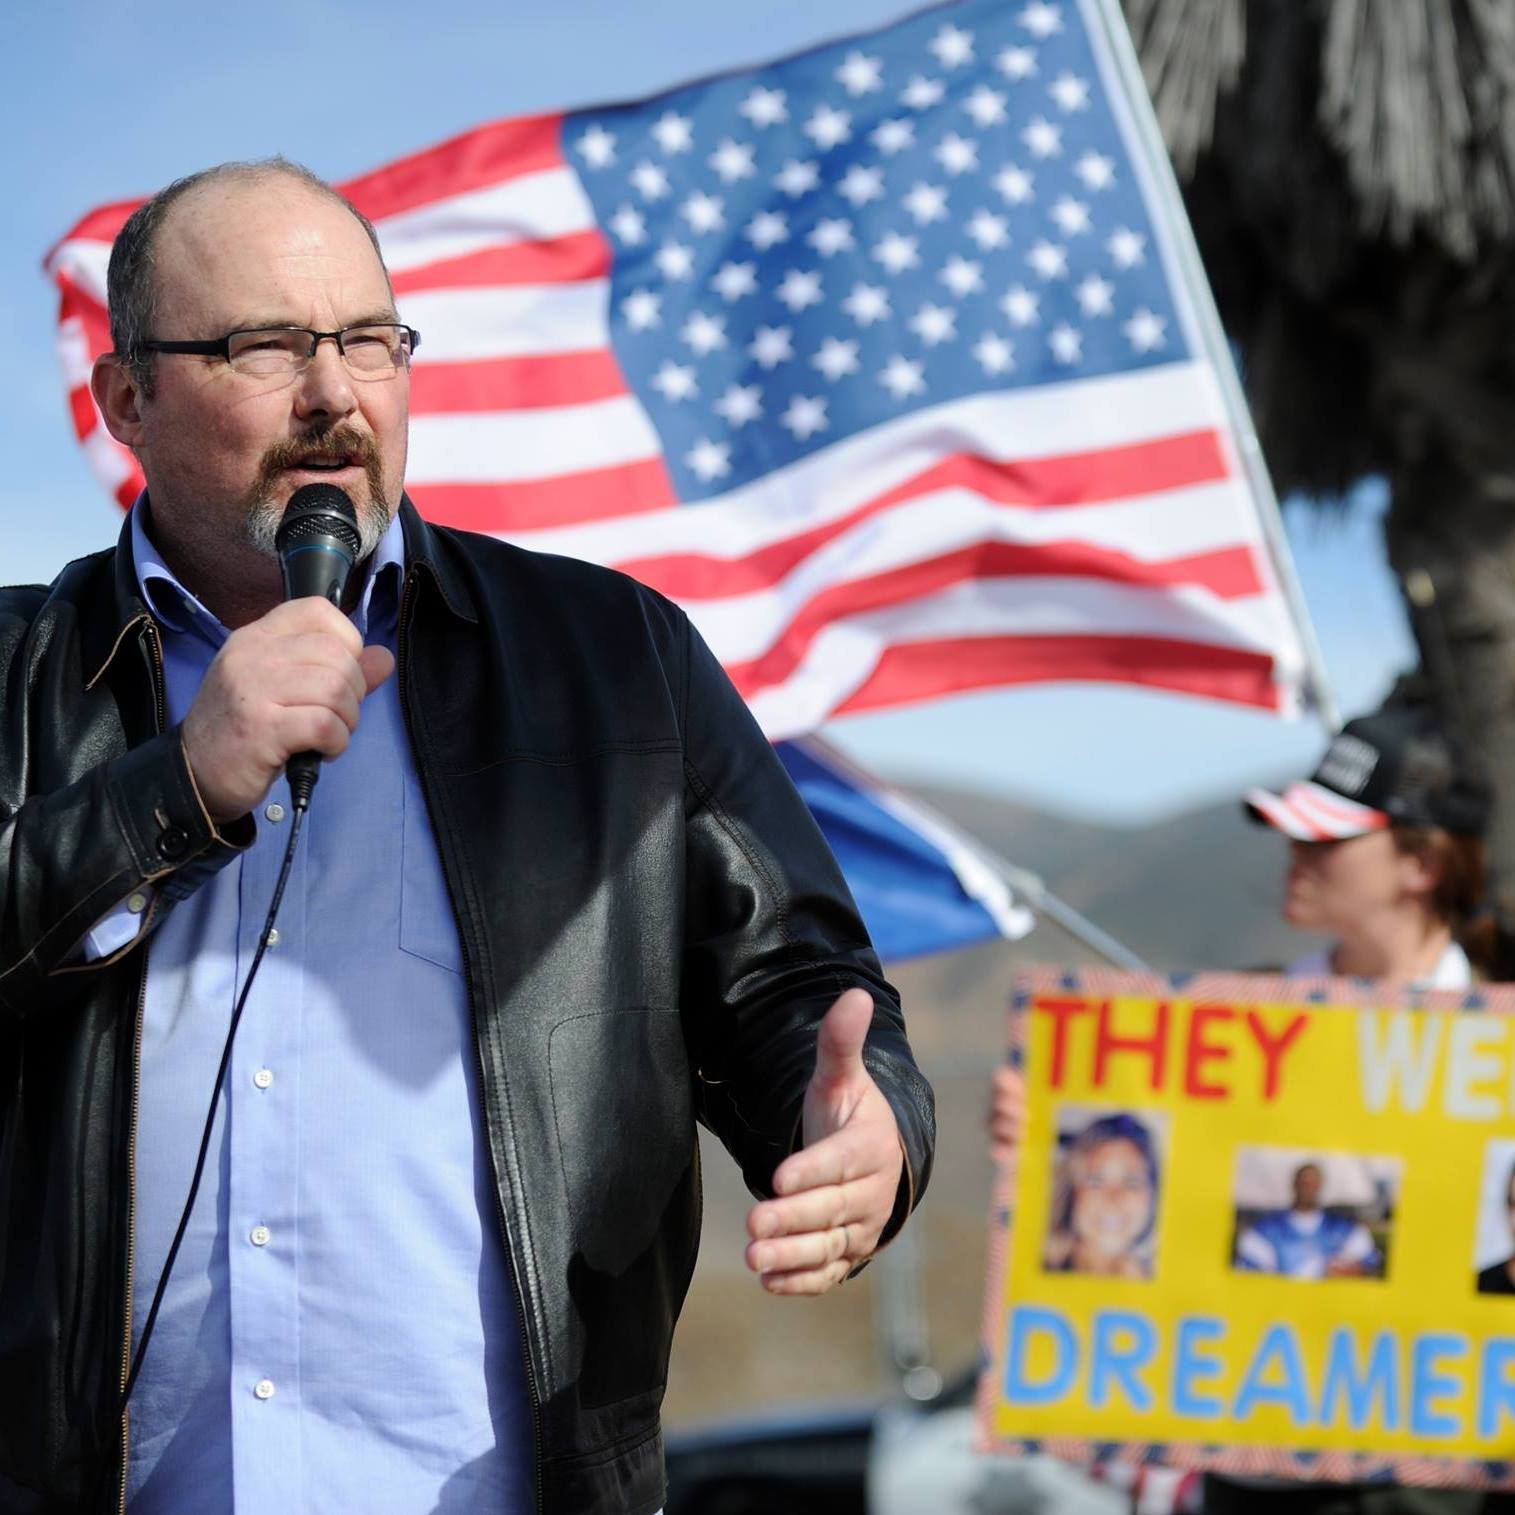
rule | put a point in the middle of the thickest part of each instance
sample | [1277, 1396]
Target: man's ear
[119, 397]
[1419, 873]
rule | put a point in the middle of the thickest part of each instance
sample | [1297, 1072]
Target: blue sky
[104, 102]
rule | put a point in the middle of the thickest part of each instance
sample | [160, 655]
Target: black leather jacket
[650, 926]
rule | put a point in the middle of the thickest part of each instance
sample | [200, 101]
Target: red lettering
[1153, 1048]
[1062, 1012]
[1201, 1052]
[1274, 1047]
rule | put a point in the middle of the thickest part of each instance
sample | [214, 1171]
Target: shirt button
[275, 813]
[136, 903]
[263, 1077]
[264, 1388]
[259, 1236]
[273, 937]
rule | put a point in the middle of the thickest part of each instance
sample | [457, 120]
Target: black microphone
[318, 545]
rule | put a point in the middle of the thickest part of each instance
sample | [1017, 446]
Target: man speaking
[554, 902]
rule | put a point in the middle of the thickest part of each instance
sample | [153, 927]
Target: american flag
[875, 359]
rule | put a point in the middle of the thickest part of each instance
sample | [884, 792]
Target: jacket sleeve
[68, 857]
[771, 938]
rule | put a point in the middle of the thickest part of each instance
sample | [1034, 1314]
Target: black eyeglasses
[379, 347]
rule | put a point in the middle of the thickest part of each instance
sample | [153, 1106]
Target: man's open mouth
[327, 462]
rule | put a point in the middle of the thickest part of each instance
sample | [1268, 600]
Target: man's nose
[325, 385]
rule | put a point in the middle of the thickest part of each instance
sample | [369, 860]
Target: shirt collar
[180, 610]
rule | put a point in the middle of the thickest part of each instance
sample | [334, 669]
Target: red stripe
[555, 260]
[75, 300]
[82, 408]
[574, 378]
[626, 489]
[472, 160]
[1084, 478]
[912, 671]
[857, 597]
[100, 225]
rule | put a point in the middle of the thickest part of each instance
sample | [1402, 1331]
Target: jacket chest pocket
[428, 928]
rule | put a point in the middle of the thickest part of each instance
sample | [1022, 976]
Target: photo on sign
[1314, 1215]
[1494, 1246]
[1106, 1188]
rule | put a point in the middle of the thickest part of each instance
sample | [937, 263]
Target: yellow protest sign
[1259, 1225]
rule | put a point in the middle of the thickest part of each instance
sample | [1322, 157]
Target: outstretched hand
[834, 1196]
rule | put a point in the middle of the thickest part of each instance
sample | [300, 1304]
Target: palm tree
[1349, 167]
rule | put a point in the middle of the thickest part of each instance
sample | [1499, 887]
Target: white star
[958, 155]
[733, 280]
[739, 405]
[704, 334]
[674, 260]
[1096, 171]
[771, 345]
[962, 277]
[934, 324]
[672, 132]
[988, 231]
[650, 180]
[952, 46]
[831, 237]
[893, 136]
[597, 147]
[1041, 19]
[1017, 62]
[902, 378]
[1072, 216]
[709, 460]
[1019, 305]
[1127, 247]
[836, 358]
[800, 290]
[1095, 296]
[732, 160]
[796, 178]
[926, 203]
[1049, 260]
[922, 93]
[767, 229]
[1043, 138]
[806, 416]
[1014, 184]
[994, 354]
[860, 185]
[641, 309]
[675, 383]
[859, 74]
[986, 106]
[765, 107]
[1145, 330]
[866, 304]
[828, 128]
[1066, 343]
[1070, 92]
[897, 253]
[704, 212]
[629, 226]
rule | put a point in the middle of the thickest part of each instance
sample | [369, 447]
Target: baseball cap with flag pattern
[1393, 768]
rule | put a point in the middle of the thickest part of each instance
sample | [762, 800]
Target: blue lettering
[1342, 1379]
[1191, 1368]
[1427, 1383]
[1109, 1360]
[1496, 1392]
[1024, 1323]
[1280, 1346]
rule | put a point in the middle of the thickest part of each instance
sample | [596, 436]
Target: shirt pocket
[428, 928]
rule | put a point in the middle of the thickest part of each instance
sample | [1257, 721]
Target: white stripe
[500, 446]
[508, 321]
[84, 260]
[1082, 417]
[529, 208]
[74, 353]
[113, 463]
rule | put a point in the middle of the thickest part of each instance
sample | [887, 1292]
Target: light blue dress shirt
[340, 1332]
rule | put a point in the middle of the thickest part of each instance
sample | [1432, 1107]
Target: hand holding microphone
[287, 688]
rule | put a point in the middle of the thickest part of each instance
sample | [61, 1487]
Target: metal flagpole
[1175, 228]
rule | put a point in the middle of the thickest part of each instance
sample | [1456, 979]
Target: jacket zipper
[154, 652]
[401, 664]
